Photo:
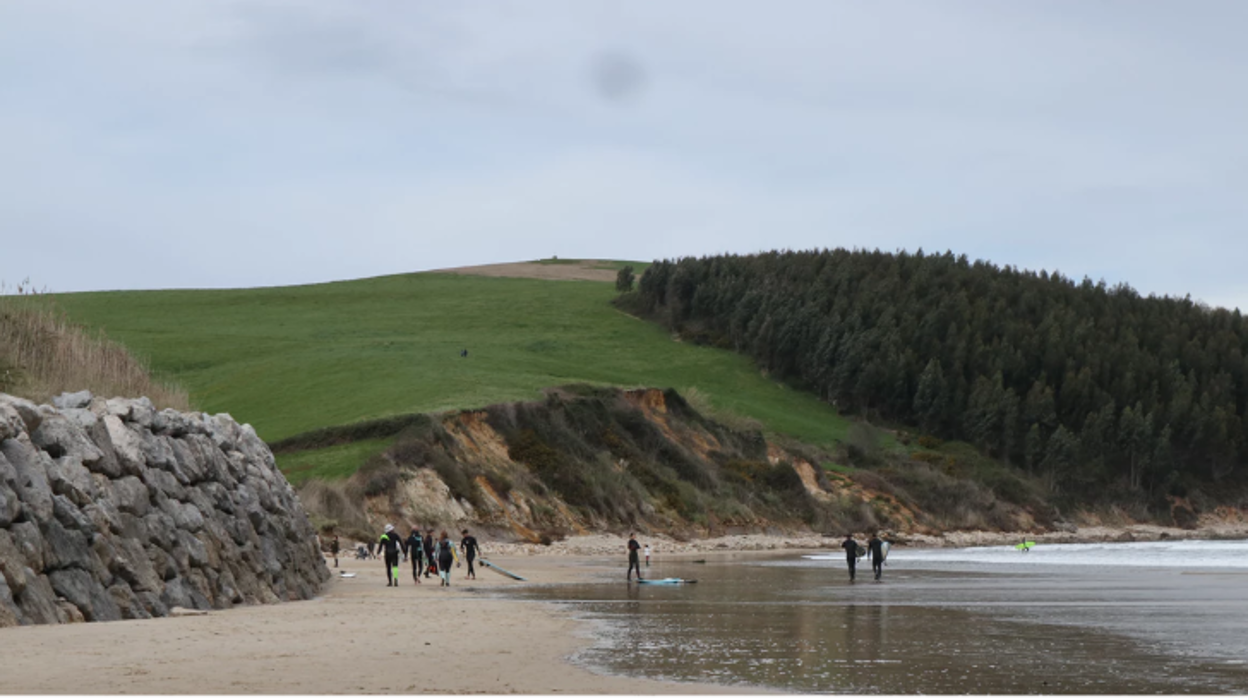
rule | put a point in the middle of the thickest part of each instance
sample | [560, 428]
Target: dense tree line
[1091, 387]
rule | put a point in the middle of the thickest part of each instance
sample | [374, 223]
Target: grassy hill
[293, 359]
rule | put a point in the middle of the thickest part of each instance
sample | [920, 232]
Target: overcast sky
[154, 143]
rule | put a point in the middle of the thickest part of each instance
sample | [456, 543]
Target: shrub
[376, 477]
[929, 442]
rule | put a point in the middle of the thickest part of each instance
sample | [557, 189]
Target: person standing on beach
[389, 545]
[875, 553]
[429, 561]
[851, 554]
[416, 551]
[633, 562]
[371, 554]
[647, 554]
[470, 548]
[333, 548]
[445, 553]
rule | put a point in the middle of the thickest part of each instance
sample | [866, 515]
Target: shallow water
[979, 620]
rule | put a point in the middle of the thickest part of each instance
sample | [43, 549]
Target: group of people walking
[427, 554]
[874, 553]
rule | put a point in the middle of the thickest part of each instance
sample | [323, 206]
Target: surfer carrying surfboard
[851, 553]
[634, 562]
[875, 553]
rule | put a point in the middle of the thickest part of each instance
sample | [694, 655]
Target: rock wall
[110, 510]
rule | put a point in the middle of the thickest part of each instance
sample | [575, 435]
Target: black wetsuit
[428, 554]
[470, 548]
[334, 548]
[875, 551]
[446, 555]
[389, 545]
[851, 556]
[416, 551]
[633, 561]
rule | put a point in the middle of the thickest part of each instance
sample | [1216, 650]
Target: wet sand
[783, 623]
[359, 637]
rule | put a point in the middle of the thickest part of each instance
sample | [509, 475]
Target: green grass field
[292, 359]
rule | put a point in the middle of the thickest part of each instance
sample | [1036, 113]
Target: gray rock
[70, 478]
[108, 465]
[27, 411]
[185, 516]
[142, 412]
[31, 483]
[68, 401]
[130, 563]
[152, 603]
[29, 541]
[157, 452]
[140, 511]
[69, 613]
[105, 516]
[10, 505]
[131, 496]
[86, 419]
[65, 548]
[71, 517]
[126, 445]
[196, 553]
[164, 482]
[38, 601]
[11, 423]
[58, 436]
[84, 591]
[127, 602]
[13, 564]
[10, 613]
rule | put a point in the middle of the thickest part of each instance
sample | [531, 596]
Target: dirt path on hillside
[579, 270]
[360, 637]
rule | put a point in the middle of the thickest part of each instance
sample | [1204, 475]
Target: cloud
[220, 143]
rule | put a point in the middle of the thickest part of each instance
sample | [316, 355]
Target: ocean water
[1168, 617]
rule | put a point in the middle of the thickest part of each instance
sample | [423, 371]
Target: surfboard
[861, 551]
[486, 563]
[1025, 545]
[884, 548]
[669, 580]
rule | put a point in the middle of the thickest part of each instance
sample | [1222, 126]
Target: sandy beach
[359, 637]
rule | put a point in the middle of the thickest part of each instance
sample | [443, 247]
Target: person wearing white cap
[390, 543]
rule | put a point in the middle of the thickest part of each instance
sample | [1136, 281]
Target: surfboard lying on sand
[500, 570]
[669, 580]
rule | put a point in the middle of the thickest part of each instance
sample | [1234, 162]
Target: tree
[931, 399]
[625, 279]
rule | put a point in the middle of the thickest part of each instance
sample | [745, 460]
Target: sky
[224, 143]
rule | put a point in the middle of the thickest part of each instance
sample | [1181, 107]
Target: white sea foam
[1176, 553]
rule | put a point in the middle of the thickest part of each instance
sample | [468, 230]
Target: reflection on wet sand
[802, 627]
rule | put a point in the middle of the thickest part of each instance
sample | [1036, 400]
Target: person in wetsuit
[851, 554]
[471, 549]
[875, 553]
[429, 561]
[389, 545]
[333, 547]
[416, 551]
[634, 563]
[444, 552]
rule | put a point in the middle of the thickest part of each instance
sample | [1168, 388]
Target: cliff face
[599, 459]
[110, 509]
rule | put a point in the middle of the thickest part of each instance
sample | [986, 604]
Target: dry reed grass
[42, 354]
